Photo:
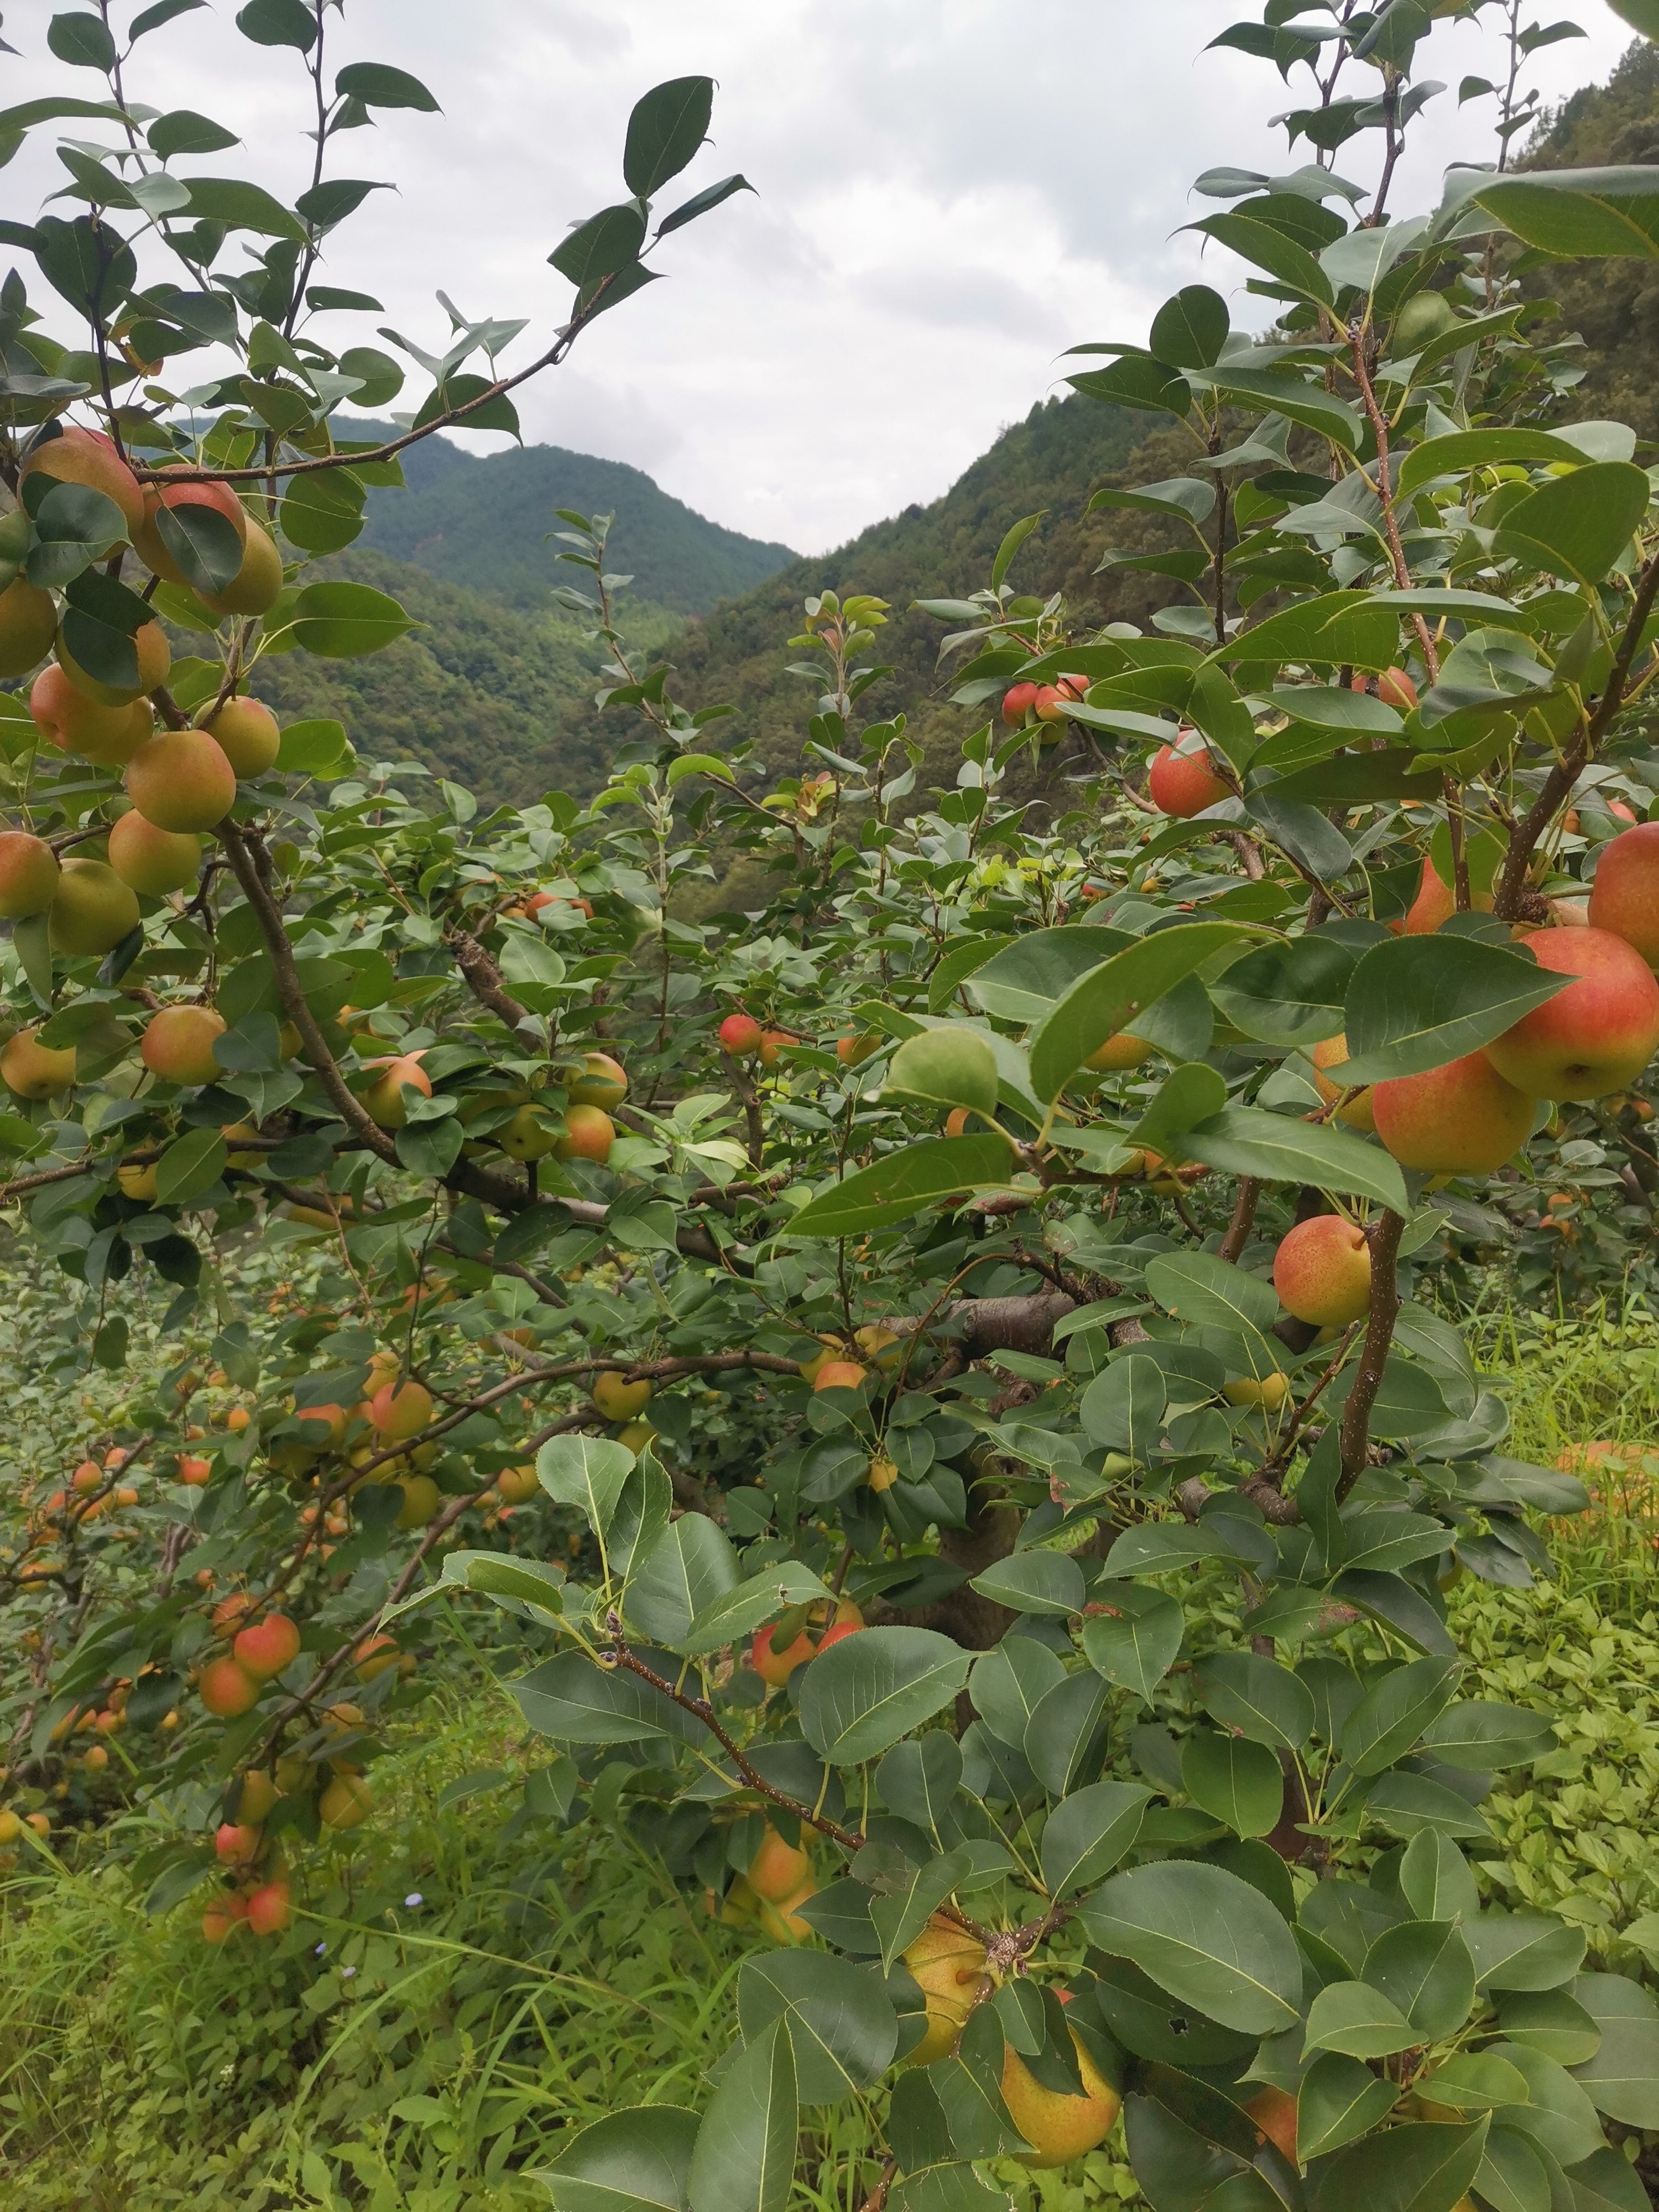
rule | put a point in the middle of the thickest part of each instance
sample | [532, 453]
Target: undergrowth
[477, 1983]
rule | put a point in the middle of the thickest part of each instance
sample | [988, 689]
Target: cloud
[949, 194]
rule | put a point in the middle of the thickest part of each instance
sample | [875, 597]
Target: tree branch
[1373, 1358]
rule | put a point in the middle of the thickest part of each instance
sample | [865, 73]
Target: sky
[948, 194]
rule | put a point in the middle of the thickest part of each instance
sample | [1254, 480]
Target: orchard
[944, 1385]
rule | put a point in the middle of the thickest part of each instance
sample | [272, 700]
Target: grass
[474, 1982]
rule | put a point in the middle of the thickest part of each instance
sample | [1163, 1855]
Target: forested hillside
[481, 521]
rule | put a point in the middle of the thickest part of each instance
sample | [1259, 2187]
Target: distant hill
[481, 521]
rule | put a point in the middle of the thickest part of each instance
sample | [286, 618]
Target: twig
[1373, 1358]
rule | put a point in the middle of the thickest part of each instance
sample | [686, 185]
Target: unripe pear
[266, 1649]
[778, 1869]
[1058, 2127]
[28, 874]
[421, 1500]
[147, 540]
[1461, 1119]
[1597, 1034]
[28, 624]
[88, 456]
[30, 1069]
[771, 1047]
[154, 861]
[269, 1910]
[588, 1135]
[518, 1485]
[399, 1412]
[839, 1375]
[236, 1846]
[601, 1083]
[526, 1136]
[94, 910]
[155, 658]
[853, 1051]
[784, 1922]
[223, 1917]
[1625, 896]
[384, 1098]
[180, 779]
[253, 590]
[1123, 1051]
[375, 1655]
[1322, 1271]
[948, 1963]
[1274, 2113]
[1437, 903]
[776, 1666]
[257, 1798]
[1184, 782]
[620, 1401]
[246, 732]
[178, 1044]
[1332, 1053]
[226, 1689]
[107, 736]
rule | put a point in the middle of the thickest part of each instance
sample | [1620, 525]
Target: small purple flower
[319, 1950]
[414, 1899]
[346, 1973]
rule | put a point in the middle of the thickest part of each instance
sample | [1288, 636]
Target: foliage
[995, 1521]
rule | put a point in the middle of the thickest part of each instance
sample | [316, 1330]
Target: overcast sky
[949, 193]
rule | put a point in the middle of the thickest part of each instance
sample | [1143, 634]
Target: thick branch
[1374, 1354]
[1243, 1220]
[484, 978]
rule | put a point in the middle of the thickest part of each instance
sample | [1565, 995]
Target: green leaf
[1295, 400]
[1033, 1581]
[1088, 1832]
[278, 23]
[323, 511]
[1622, 2079]
[842, 2028]
[1184, 499]
[1238, 1781]
[1574, 213]
[1481, 449]
[1009, 1683]
[1474, 2081]
[1424, 1967]
[1550, 2020]
[898, 1188]
[242, 206]
[74, 526]
[1022, 979]
[587, 1472]
[1424, 2167]
[1208, 1292]
[950, 1067]
[1288, 994]
[1523, 1950]
[1559, 2115]
[1162, 1548]
[605, 245]
[1642, 15]
[378, 85]
[315, 747]
[744, 2159]
[205, 545]
[1339, 2100]
[572, 1700]
[700, 202]
[1135, 1639]
[190, 1165]
[1357, 2020]
[1479, 1735]
[1607, 2181]
[1190, 329]
[1123, 1409]
[183, 131]
[1250, 1140]
[1255, 1696]
[82, 41]
[1107, 999]
[1415, 1003]
[1203, 1935]
[1137, 381]
[665, 130]
[1187, 1095]
[749, 1606]
[866, 1691]
[1394, 1712]
[1011, 545]
[1066, 1737]
[630, 2161]
[1435, 1880]
[900, 1916]
[689, 1569]
[1337, 629]
[344, 622]
[1577, 527]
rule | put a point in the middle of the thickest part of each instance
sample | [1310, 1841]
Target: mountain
[481, 521]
